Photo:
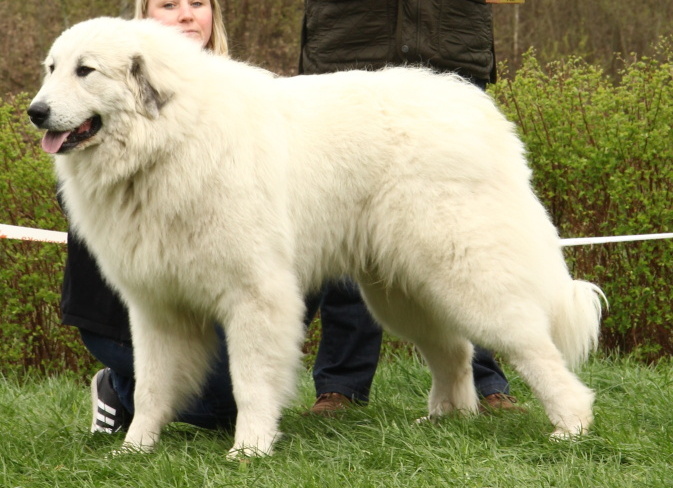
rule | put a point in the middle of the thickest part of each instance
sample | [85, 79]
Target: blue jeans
[350, 343]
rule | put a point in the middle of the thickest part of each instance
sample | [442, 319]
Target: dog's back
[413, 133]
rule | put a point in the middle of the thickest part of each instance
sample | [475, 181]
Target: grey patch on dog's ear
[148, 99]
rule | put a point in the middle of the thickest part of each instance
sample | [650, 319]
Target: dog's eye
[83, 71]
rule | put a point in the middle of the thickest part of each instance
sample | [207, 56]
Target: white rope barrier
[585, 241]
[31, 234]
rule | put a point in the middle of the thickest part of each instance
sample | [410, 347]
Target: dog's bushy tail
[576, 320]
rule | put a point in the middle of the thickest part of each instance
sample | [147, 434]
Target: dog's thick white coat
[217, 191]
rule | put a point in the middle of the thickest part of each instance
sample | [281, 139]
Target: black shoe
[109, 415]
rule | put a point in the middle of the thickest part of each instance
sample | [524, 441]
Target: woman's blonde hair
[218, 37]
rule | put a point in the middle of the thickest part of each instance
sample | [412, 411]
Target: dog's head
[96, 79]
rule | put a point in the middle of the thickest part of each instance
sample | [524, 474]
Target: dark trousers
[350, 342]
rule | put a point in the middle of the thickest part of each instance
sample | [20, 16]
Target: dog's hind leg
[521, 333]
[450, 364]
[449, 357]
[566, 400]
[171, 359]
[264, 336]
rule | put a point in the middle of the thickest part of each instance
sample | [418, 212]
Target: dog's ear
[149, 100]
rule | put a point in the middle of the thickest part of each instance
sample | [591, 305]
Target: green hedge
[602, 156]
[31, 336]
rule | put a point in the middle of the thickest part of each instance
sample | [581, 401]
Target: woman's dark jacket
[447, 35]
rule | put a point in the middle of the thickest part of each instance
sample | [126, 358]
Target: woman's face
[193, 18]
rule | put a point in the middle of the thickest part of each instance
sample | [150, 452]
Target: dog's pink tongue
[52, 141]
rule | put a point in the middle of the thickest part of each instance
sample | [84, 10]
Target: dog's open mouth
[60, 142]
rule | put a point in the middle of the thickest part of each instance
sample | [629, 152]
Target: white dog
[212, 190]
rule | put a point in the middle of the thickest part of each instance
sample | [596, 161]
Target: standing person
[446, 35]
[89, 304]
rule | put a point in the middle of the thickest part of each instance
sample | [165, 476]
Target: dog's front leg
[264, 339]
[171, 361]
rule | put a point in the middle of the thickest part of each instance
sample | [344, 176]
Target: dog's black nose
[38, 113]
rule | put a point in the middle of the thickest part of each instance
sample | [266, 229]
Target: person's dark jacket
[447, 35]
[87, 301]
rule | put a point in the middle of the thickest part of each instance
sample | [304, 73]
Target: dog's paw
[436, 415]
[428, 419]
[131, 449]
[564, 435]
[243, 453]
[253, 445]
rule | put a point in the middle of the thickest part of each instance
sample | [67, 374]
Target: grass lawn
[44, 442]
